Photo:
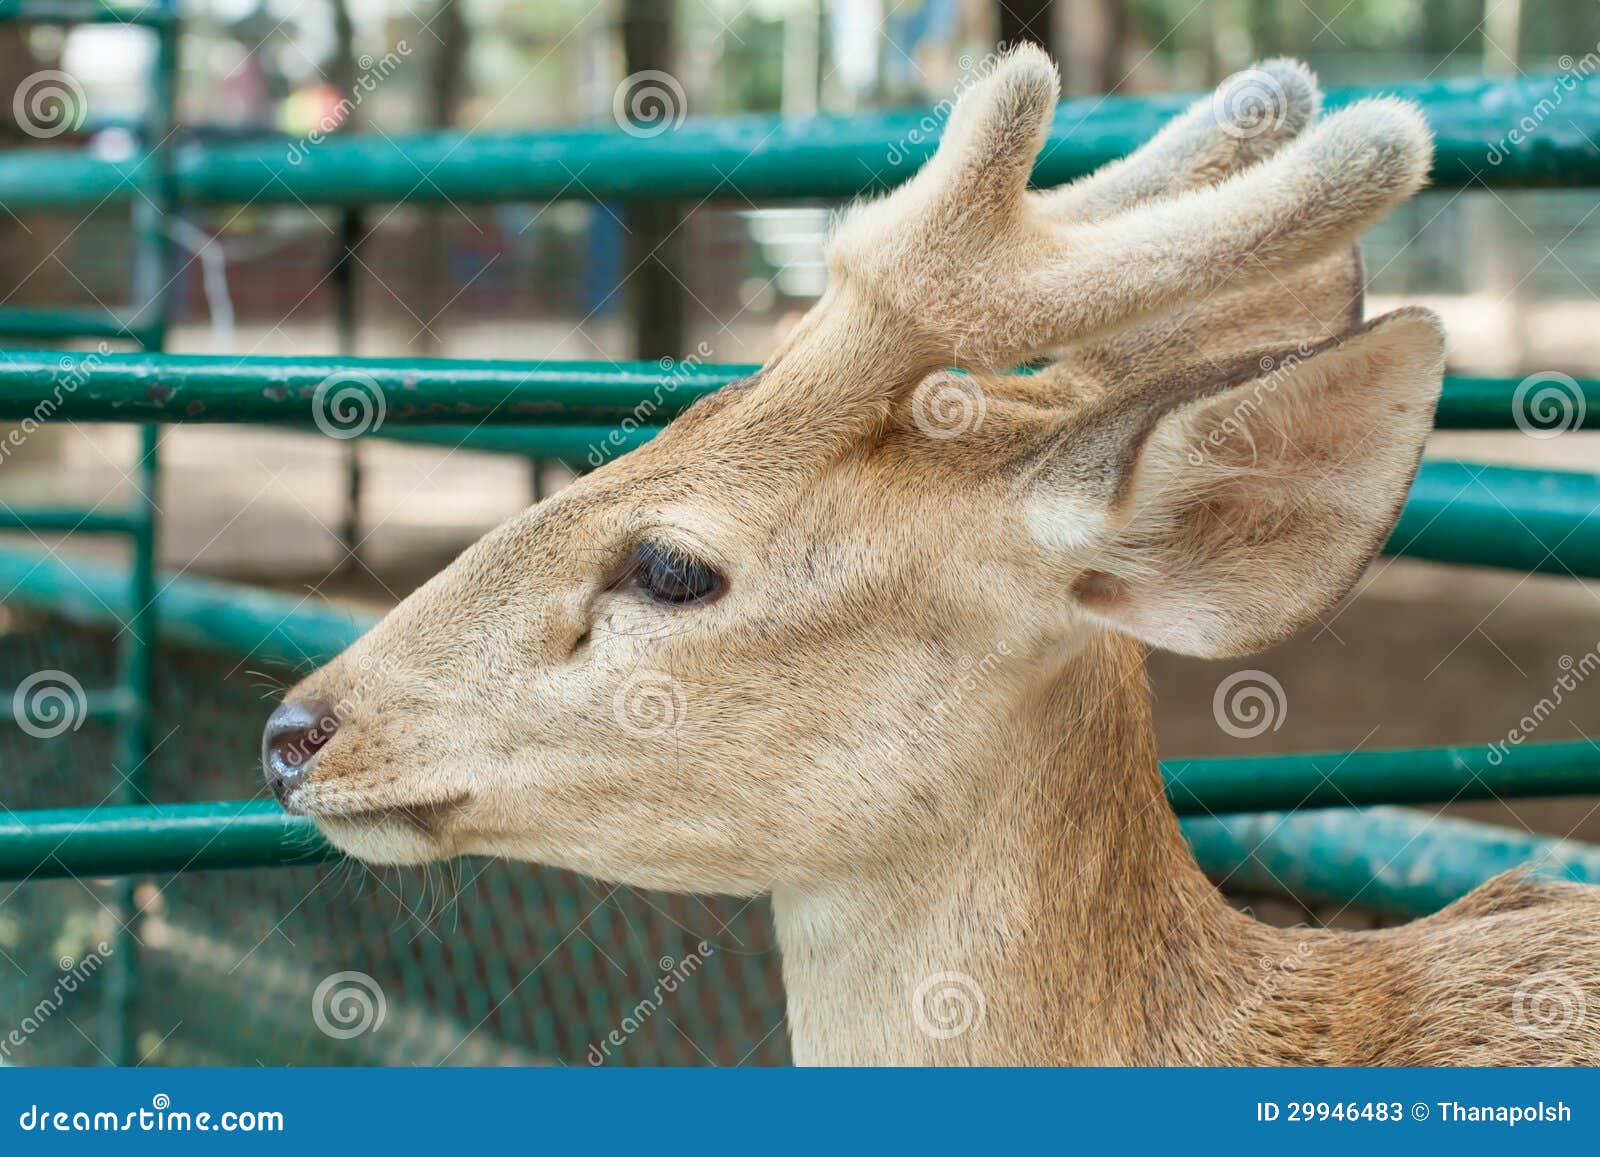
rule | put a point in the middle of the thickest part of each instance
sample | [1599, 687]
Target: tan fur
[918, 714]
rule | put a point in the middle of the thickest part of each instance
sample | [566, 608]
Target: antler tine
[1251, 115]
[986, 276]
[1317, 195]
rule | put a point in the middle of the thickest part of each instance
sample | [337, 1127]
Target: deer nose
[294, 733]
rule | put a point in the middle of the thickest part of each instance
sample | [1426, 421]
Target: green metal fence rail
[153, 190]
[767, 158]
[586, 413]
[130, 387]
[1316, 856]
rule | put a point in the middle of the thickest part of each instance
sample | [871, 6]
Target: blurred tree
[446, 91]
[1028, 20]
[1093, 36]
[655, 228]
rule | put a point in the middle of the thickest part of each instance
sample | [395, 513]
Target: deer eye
[668, 575]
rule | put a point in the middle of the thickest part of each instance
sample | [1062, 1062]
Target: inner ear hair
[1217, 516]
[1094, 452]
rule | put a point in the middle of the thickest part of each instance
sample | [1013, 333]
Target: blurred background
[1421, 654]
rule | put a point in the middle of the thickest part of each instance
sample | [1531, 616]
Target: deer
[867, 631]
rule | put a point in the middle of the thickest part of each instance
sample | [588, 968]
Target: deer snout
[294, 733]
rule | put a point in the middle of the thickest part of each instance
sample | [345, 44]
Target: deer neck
[1065, 922]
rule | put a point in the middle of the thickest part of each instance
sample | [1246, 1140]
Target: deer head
[725, 662]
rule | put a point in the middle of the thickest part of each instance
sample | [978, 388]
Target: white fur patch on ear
[1065, 525]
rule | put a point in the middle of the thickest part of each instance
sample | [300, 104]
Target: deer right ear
[1217, 515]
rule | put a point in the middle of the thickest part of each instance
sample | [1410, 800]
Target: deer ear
[1219, 517]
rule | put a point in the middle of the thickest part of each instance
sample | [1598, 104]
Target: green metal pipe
[152, 288]
[579, 445]
[1385, 860]
[1213, 786]
[766, 157]
[1502, 516]
[1549, 403]
[630, 396]
[290, 630]
[1458, 512]
[115, 841]
[67, 519]
[87, 12]
[111, 706]
[347, 393]
[46, 324]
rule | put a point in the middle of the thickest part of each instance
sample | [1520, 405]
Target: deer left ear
[1219, 515]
